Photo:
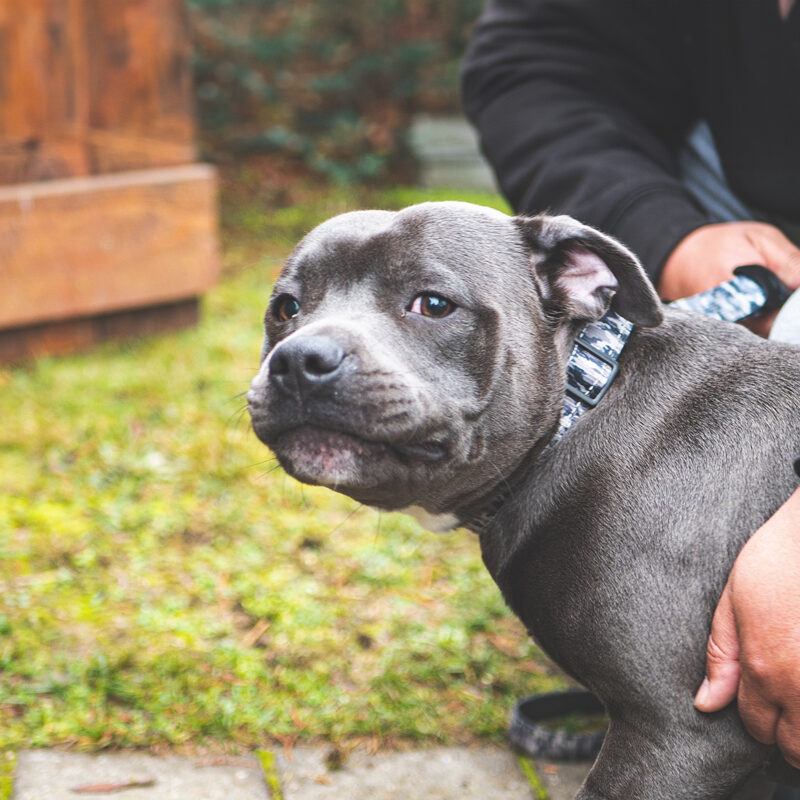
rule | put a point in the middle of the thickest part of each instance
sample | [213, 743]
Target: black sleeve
[580, 106]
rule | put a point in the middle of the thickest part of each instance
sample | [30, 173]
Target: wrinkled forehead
[353, 229]
[430, 239]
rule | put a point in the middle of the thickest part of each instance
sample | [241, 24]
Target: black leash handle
[531, 737]
[776, 292]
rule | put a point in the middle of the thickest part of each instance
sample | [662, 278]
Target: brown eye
[285, 307]
[432, 305]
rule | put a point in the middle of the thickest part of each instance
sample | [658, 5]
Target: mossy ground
[163, 583]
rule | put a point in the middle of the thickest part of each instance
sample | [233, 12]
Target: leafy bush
[330, 86]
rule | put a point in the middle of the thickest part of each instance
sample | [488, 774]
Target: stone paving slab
[445, 773]
[438, 774]
[53, 775]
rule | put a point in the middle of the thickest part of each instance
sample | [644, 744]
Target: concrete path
[448, 154]
[446, 773]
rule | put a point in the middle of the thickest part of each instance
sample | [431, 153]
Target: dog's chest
[605, 594]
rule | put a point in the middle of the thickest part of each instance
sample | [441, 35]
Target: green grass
[162, 583]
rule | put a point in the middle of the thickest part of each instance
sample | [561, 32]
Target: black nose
[305, 362]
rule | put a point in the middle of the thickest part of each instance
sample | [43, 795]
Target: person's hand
[754, 647]
[708, 256]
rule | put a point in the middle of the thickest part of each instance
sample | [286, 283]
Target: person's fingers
[706, 257]
[722, 659]
[781, 256]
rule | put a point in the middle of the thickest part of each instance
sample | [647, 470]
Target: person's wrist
[694, 264]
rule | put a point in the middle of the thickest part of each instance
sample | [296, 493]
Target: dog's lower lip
[427, 451]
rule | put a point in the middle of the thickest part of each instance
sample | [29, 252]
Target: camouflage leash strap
[591, 368]
[753, 290]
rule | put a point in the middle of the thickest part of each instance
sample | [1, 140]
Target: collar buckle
[591, 400]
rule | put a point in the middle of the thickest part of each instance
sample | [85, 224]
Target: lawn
[162, 582]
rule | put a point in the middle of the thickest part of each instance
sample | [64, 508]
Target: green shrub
[330, 86]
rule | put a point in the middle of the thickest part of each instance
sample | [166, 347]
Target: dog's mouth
[340, 459]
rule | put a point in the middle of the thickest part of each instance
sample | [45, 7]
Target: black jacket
[582, 104]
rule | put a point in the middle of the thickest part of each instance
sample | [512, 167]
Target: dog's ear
[581, 272]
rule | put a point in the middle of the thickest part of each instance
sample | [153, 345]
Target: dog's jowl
[418, 358]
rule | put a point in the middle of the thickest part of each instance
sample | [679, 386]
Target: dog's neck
[476, 511]
[591, 369]
[478, 515]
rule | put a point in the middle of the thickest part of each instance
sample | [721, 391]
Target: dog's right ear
[581, 272]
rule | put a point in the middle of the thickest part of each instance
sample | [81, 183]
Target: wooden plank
[43, 108]
[73, 335]
[84, 246]
[92, 86]
[140, 91]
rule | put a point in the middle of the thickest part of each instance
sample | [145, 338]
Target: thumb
[722, 659]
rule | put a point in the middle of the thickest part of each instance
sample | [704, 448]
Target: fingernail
[702, 693]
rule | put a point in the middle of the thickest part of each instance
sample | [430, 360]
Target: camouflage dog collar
[592, 364]
[592, 367]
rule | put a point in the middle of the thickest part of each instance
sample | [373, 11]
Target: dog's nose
[305, 362]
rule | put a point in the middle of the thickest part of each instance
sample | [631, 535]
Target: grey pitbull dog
[417, 358]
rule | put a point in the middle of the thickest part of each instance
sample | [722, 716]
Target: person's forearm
[568, 129]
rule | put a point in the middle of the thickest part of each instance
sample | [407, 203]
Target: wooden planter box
[107, 228]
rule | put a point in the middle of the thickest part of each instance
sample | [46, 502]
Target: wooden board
[86, 246]
[82, 333]
[93, 86]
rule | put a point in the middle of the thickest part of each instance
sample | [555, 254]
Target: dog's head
[416, 357]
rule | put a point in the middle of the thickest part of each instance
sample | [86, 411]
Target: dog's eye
[284, 307]
[432, 305]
